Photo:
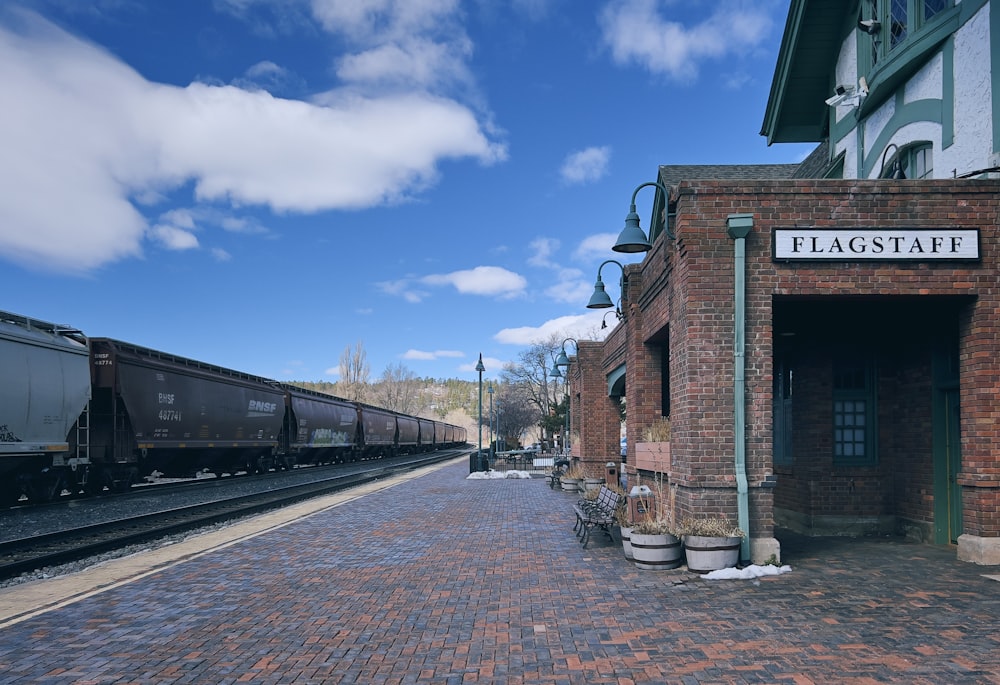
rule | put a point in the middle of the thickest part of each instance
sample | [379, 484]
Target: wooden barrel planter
[626, 535]
[570, 484]
[655, 552]
[706, 554]
[592, 483]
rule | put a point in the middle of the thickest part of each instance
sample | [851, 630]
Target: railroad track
[51, 549]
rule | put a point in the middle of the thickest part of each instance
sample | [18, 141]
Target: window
[915, 160]
[783, 377]
[898, 20]
[854, 429]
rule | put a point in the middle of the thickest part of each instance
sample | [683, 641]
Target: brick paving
[447, 580]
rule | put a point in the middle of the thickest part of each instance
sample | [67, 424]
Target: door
[947, 447]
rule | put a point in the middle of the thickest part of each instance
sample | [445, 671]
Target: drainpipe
[738, 228]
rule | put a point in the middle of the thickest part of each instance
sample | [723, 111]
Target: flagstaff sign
[875, 244]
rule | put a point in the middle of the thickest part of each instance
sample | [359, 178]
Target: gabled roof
[796, 108]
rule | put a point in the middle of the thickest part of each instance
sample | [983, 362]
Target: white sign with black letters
[875, 244]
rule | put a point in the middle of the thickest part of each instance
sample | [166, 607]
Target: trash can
[479, 460]
[641, 503]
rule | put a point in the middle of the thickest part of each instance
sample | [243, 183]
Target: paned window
[783, 377]
[898, 20]
[853, 412]
[898, 14]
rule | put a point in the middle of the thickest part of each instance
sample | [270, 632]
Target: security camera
[870, 26]
[841, 93]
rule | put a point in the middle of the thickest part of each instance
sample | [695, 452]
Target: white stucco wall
[972, 145]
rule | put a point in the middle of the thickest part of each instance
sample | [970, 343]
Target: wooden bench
[596, 513]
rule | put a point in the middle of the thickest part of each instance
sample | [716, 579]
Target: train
[83, 416]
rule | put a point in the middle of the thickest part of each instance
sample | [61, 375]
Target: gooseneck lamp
[632, 238]
[600, 298]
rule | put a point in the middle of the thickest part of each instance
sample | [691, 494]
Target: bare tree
[353, 383]
[513, 413]
[399, 389]
[531, 374]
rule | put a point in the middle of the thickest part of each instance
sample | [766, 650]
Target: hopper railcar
[83, 415]
[44, 387]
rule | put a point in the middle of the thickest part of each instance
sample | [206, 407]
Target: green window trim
[854, 417]
[894, 67]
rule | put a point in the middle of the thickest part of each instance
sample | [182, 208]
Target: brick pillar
[980, 474]
[598, 423]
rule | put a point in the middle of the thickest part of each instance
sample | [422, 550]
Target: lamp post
[480, 368]
[489, 391]
[501, 442]
[563, 361]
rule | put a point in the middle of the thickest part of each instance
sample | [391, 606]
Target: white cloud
[80, 126]
[174, 238]
[597, 246]
[571, 288]
[421, 355]
[637, 32]
[542, 250]
[404, 288]
[221, 255]
[412, 62]
[482, 280]
[586, 165]
[581, 326]
[273, 78]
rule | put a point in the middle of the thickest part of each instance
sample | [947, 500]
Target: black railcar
[153, 411]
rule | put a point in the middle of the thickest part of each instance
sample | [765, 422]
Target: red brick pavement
[447, 580]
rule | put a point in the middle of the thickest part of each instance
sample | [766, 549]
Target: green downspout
[738, 228]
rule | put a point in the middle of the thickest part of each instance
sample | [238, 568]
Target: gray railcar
[44, 387]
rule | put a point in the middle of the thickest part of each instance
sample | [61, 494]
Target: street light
[600, 298]
[489, 391]
[563, 361]
[632, 239]
[480, 368]
[500, 440]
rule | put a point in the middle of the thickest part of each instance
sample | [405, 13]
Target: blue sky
[260, 183]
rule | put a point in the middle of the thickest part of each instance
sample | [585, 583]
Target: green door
[947, 448]
[953, 464]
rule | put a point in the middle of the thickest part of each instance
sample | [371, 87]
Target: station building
[823, 339]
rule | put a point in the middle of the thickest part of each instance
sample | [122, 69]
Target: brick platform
[446, 580]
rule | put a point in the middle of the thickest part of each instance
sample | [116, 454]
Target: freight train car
[44, 387]
[153, 411]
[83, 416]
[318, 429]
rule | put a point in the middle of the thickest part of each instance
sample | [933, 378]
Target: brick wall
[685, 300]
